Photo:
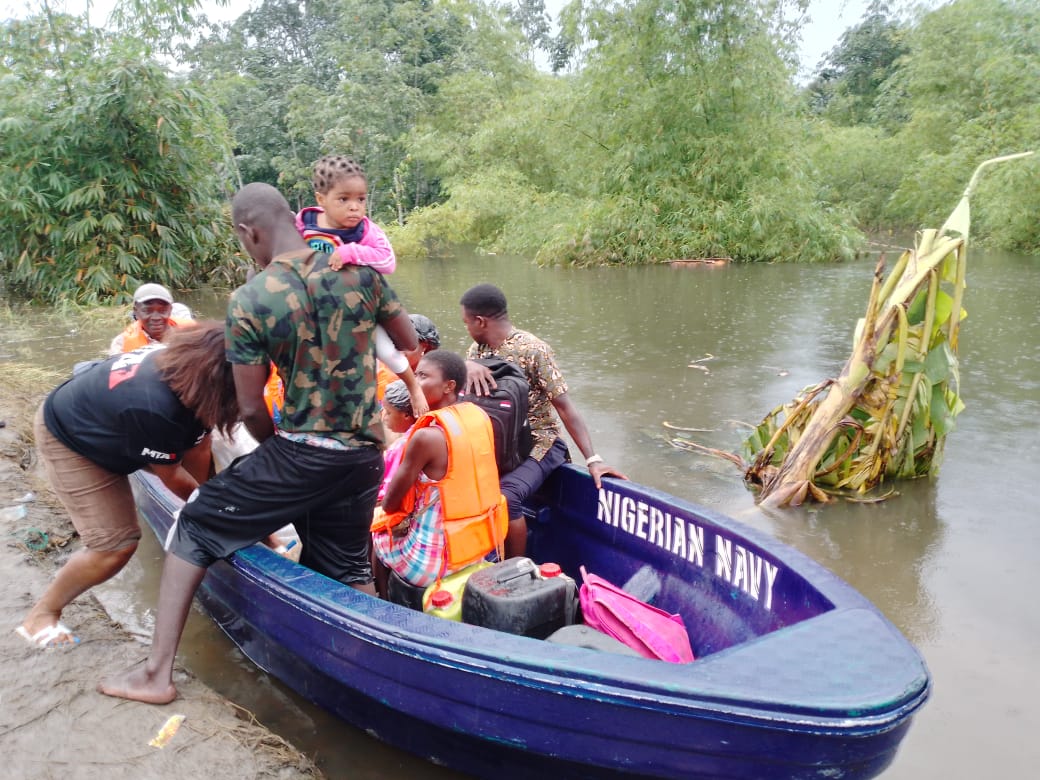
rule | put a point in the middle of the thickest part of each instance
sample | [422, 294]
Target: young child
[339, 227]
[338, 224]
[399, 418]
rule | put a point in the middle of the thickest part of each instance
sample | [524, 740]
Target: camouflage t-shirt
[538, 363]
[316, 325]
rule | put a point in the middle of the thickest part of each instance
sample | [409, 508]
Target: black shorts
[329, 495]
[523, 481]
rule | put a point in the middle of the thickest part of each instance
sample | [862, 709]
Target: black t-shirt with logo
[121, 415]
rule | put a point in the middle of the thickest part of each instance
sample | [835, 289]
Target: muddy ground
[53, 724]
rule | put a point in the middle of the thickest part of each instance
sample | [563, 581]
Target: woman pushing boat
[152, 408]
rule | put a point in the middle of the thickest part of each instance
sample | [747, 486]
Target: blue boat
[797, 674]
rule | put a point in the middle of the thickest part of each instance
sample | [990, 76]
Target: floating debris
[887, 414]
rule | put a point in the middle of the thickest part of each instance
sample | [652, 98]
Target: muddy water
[951, 561]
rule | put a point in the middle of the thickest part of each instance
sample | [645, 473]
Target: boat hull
[817, 685]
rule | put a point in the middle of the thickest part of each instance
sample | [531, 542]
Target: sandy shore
[53, 724]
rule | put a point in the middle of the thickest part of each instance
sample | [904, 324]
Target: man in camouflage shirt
[486, 317]
[321, 468]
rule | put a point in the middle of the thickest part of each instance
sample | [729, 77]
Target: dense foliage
[299, 80]
[109, 168]
[678, 137]
[965, 88]
[623, 131]
[851, 77]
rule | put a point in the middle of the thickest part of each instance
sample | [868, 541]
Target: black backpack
[507, 408]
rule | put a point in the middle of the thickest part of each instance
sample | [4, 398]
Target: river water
[951, 560]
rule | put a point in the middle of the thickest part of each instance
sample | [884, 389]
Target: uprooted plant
[887, 413]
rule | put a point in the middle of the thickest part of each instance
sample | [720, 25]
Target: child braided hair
[333, 168]
[397, 396]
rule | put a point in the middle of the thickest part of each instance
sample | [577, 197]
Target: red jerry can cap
[441, 598]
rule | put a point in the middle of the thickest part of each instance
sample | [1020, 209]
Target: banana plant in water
[887, 414]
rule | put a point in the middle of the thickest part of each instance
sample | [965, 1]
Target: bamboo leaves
[118, 183]
[887, 414]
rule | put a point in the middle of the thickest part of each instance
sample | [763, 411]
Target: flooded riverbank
[948, 560]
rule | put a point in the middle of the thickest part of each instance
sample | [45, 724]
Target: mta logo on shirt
[158, 455]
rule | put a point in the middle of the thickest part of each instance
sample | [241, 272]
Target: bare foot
[138, 685]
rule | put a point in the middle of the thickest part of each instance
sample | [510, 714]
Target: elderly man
[154, 312]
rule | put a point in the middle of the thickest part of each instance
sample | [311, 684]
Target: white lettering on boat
[735, 564]
[744, 570]
[650, 523]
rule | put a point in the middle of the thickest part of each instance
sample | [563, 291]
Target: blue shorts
[329, 495]
[526, 478]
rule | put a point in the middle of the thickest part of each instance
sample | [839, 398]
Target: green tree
[111, 171]
[489, 130]
[251, 65]
[301, 80]
[971, 87]
[679, 137]
[847, 86]
[537, 26]
[966, 88]
[858, 168]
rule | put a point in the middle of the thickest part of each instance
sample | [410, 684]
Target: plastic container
[443, 604]
[547, 570]
[448, 592]
[400, 592]
[513, 596]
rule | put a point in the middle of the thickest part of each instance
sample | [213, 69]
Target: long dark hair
[195, 366]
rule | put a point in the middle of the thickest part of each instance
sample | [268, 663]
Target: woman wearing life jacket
[150, 409]
[153, 319]
[443, 509]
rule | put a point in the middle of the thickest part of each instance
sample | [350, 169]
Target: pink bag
[649, 631]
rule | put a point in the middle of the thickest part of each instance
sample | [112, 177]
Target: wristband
[593, 459]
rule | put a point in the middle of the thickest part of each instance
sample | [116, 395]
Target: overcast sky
[828, 19]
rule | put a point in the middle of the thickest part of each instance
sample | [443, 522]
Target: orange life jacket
[384, 376]
[274, 395]
[476, 517]
[134, 336]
